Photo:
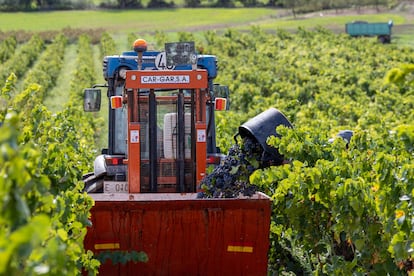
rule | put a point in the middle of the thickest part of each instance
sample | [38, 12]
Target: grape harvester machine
[145, 184]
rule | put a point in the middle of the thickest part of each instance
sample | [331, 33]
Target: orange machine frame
[196, 80]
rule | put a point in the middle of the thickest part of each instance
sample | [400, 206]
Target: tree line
[296, 6]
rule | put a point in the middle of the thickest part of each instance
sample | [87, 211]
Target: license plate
[118, 187]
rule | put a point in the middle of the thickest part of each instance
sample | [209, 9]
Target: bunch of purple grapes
[231, 177]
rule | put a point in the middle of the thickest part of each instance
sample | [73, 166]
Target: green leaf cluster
[122, 257]
[107, 45]
[7, 48]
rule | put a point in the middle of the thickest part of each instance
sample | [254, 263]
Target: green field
[189, 20]
[135, 20]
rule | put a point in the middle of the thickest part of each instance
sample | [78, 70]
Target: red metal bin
[182, 235]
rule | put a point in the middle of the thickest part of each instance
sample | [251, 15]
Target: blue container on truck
[362, 28]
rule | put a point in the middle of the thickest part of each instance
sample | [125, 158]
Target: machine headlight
[122, 73]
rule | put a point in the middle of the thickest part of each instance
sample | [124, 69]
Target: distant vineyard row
[337, 207]
[70, 33]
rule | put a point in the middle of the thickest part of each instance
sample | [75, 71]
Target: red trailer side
[182, 235]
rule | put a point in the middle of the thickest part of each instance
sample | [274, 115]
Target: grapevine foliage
[21, 60]
[44, 212]
[7, 47]
[335, 209]
[122, 257]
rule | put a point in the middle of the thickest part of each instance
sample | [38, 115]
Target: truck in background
[362, 28]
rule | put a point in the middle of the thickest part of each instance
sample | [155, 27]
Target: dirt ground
[406, 8]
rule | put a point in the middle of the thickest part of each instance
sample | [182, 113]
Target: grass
[184, 19]
[132, 20]
[145, 22]
[59, 94]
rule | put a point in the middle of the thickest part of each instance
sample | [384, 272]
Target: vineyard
[338, 207]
